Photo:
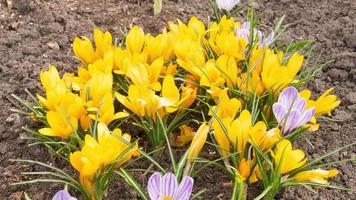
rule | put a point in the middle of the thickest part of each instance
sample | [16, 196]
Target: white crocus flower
[227, 5]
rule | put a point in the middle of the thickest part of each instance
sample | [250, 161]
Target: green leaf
[132, 182]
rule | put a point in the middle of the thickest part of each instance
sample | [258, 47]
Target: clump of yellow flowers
[245, 91]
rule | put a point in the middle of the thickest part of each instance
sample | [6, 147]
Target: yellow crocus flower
[98, 86]
[103, 42]
[141, 101]
[275, 75]
[190, 55]
[228, 44]
[50, 78]
[287, 158]
[83, 50]
[211, 76]
[160, 46]
[135, 40]
[324, 104]
[171, 99]
[146, 75]
[250, 83]
[228, 67]
[239, 131]
[226, 107]
[198, 142]
[262, 138]
[95, 155]
[60, 125]
[315, 176]
[106, 111]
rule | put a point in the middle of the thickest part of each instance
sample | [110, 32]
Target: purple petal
[279, 112]
[299, 104]
[153, 185]
[291, 122]
[246, 25]
[185, 189]
[62, 195]
[306, 117]
[268, 40]
[169, 185]
[259, 34]
[287, 96]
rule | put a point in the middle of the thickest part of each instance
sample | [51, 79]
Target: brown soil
[36, 33]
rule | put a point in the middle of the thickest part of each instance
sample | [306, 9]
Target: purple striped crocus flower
[244, 32]
[63, 195]
[290, 110]
[167, 188]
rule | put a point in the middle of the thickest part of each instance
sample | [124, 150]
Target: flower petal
[291, 122]
[63, 195]
[279, 112]
[287, 96]
[153, 186]
[169, 185]
[306, 116]
[185, 189]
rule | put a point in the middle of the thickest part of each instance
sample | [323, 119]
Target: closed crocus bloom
[287, 158]
[221, 134]
[240, 129]
[227, 65]
[318, 176]
[227, 5]
[167, 188]
[198, 141]
[157, 46]
[244, 168]
[49, 78]
[98, 86]
[185, 135]
[135, 40]
[83, 50]
[60, 125]
[86, 161]
[103, 42]
[197, 27]
[290, 110]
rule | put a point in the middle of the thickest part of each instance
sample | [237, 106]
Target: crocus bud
[198, 141]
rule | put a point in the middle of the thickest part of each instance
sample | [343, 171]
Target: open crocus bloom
[166, 187]
[227, 5]
[63, 195]
[290, 110]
